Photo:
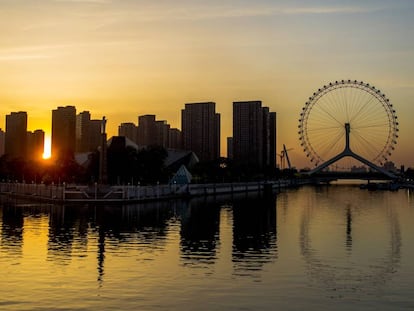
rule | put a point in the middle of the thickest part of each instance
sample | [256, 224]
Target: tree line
[128, 165]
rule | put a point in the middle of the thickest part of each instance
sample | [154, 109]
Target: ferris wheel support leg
[349, 153]
[373, 166]
[327, 163]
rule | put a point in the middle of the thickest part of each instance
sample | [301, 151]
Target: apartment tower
[16, 130]
[254, 135]
[201, 130]
[63, 131]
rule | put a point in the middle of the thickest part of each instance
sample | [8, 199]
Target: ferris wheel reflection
[352, 256]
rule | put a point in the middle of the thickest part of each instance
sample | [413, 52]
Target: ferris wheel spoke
[370, 147]
[371, 126]
[367, 104]
[332, 116]
[371, 115]
[326, 146]
[359, 112]
[365, 148]
[323, 128]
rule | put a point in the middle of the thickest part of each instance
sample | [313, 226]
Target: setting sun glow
[47, 149]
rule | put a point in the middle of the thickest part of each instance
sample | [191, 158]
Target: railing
[96, 192]
[50, 191]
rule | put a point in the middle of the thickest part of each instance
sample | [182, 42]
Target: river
[311, 248]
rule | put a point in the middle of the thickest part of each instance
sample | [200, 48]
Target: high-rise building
[128, 130]
[82, 131]
[254, 134]
[201, 130]
[15, 140]
[88, 132]
[35, 144]
[95, 135]
[146, 130]
[162, 129]
[63, 131]
[272, 140]
[2, 141]
[229, 147]
[154, 132]
[175, 140]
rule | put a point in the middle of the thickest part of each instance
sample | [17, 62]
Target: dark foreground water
[330, 248]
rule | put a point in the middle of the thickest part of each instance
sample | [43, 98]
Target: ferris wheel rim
[389, 116]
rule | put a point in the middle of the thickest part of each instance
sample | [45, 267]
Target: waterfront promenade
[136, 193]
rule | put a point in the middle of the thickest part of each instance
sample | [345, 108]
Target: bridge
[328, 177]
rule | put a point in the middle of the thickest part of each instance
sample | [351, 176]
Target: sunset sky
[124, 58]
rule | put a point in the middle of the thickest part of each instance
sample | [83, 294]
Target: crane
[284, 156]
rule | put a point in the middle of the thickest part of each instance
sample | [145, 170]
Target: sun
[47, 148]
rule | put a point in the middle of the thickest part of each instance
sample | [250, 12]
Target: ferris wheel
[348, 115]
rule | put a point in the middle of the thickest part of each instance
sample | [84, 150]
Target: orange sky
[121, 59]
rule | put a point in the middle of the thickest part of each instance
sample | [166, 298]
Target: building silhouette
[146, 129]
[35, 144]
[16, 131]
[162, 129]
[88, 132]
[201, 130]
[229, 147]
[128, 130]
[272, 140]
[95, 136]
[2, 141]
[82, 131]
[63, 131]
[152, 132]
[175, 139]
[254, 135]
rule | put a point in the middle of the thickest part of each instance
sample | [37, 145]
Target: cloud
[86, 1]
[16, 57]
[219, 11]
[38, 52]
[27, 53]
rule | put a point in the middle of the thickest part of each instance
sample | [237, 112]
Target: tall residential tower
[16, 131]
[254, 135]
[201, 130]
[88, 132]
[63, 131]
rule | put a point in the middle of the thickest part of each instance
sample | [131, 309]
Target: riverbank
[67, 193]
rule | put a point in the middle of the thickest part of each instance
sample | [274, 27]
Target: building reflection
[253, 237]
[139, 224]
[254, 233]
[200, 221]
[71, 227]
[12, 229]
[74, 231]
[61, 234]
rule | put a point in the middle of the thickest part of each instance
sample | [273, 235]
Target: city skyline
[155, 130]
[129, 58]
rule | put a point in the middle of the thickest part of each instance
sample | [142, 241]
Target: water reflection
[357, 265]
[62, 231]
[200, 221]
[145, 227]
[254, 233]
[338, 247]
[348, 227]
[119, 229]
[12, 229]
